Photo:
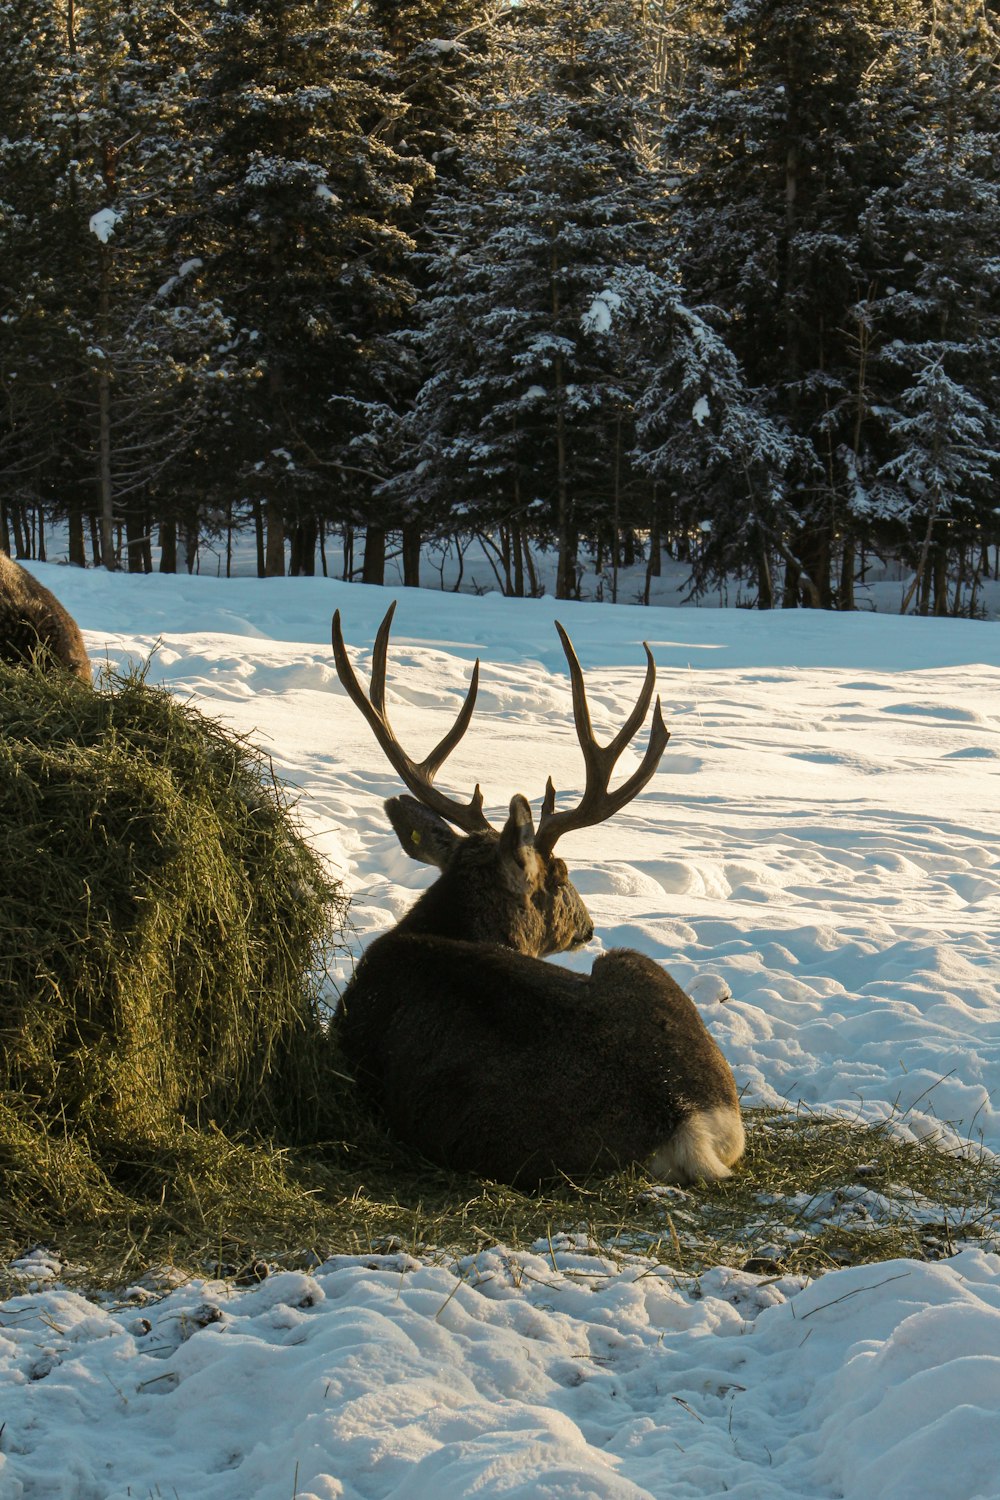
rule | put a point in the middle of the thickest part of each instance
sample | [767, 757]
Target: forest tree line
[617, 277]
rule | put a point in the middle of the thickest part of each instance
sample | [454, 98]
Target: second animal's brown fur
[34, 624]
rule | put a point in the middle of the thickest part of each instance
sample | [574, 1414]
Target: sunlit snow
[817, 862]
[601, 313]
[104, 223]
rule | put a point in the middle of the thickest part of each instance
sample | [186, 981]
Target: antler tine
[380, 656]
[581, 712]
[597, 802]
[432, 763]
[418, 778]
[637, 717]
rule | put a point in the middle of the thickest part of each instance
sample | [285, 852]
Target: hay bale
[161, 926]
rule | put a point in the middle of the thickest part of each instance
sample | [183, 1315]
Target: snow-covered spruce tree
[934, 314]
[790, 123]
[948, 456]
[31, 53]
[124, 356]
[432, 63]
[712, 447]
[297, 223]
[525, 416]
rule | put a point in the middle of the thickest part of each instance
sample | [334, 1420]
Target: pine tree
[526, 415]
[123, 349]
[934, 309]
[31, 52]
[708, 439]
[791, 124]
[297, 222]
[432, 65]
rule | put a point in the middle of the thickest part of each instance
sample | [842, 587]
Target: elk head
[502, 885]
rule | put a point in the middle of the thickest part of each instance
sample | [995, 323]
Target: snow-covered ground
[817, 861]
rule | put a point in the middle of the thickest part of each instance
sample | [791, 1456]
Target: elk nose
[586, 932]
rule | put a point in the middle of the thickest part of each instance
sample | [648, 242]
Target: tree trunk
[814, 553]
[77, 548]
[566, 584]
[790, 593]
[529, 563]
[924, 602]
[654, 561]
[137, 540]
[848, 563]
[654, 566]
[940, 580]
[22, 542]
[920, 579]
[104, 473]
[765, 583]
[963, 560]
[411, 555]
[104, 480]
[566, 564]
[616, 509]
[192, 537]
[258, 529]
[505, 554]
[802, 568]
[373, 567]
[274, 555]
[168, 546]
[302, 562]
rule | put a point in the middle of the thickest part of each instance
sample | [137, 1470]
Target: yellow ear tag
[414, 837]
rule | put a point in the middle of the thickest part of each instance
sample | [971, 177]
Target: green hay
[162, 924]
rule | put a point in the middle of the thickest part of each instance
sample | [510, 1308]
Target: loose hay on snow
[162, 927]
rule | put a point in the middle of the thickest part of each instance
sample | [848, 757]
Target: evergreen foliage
[597, 273]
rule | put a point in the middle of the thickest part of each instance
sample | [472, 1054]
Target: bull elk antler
[597, 803]
[419, 778]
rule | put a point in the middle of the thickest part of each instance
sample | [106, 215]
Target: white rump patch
[703, 1149]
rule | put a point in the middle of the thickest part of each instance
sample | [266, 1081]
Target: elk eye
[557, 873]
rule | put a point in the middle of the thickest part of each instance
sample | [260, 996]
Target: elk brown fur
[486, 1059]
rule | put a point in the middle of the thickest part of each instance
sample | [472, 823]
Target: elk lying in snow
[33, 621]
[484, 1058]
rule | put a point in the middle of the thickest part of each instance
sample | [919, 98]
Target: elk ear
[522, 866]
[424, 835]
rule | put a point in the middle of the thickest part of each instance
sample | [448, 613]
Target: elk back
[490, 1062]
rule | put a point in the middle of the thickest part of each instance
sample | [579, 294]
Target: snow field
[817, 861]
[554, 1376]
